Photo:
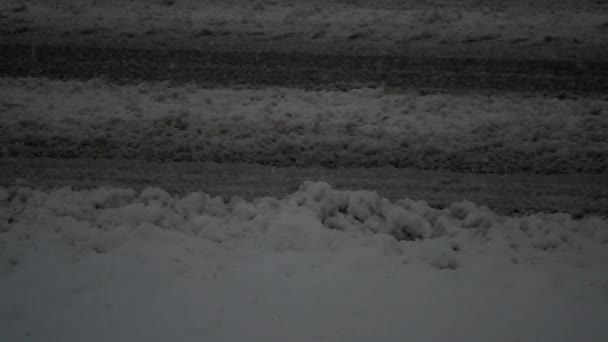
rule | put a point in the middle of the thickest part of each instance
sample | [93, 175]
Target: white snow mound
[316, 217]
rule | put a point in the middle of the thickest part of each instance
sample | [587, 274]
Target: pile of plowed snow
[316, 217]
[112, 264]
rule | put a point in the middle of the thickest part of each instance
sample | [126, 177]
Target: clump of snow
[296, 231]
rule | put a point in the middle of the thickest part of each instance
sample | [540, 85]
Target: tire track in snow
[308, 71]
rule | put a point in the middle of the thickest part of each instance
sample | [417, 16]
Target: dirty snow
[517, 194]
[506, 133]
[505, 29]
[112, 264]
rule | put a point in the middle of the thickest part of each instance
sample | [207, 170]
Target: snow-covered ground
[506, 133]
[546, 29]
[318, 264]
[104, 263]
[113, 264]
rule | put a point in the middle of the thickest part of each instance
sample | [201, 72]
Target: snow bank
[277, 126]
[316, 217]
[112, 264]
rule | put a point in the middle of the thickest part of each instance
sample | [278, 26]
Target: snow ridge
[314, 218]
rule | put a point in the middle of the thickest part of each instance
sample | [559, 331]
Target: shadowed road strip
[220, 69]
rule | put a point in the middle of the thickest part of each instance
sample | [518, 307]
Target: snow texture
[508, 133]
[547, 28]
[112, 264]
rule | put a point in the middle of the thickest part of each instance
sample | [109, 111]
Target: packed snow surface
[112, 264]
[493, 28]
[508, 133]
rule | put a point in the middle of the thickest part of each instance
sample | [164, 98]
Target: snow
[390, 27]
[506, 133]
[319, 264]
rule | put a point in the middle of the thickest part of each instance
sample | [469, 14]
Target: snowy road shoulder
[323, 264]
[509, 133]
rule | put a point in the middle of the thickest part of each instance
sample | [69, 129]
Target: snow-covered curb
[279, 126]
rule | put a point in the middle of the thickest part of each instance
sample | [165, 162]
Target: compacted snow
[112, 264]
[507, 133]
[492, 28]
